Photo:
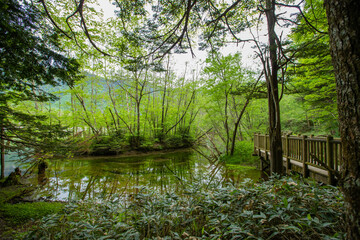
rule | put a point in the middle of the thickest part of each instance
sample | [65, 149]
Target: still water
[105, 177]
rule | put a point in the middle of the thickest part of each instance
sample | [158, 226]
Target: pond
[10, 162]
[105, 177]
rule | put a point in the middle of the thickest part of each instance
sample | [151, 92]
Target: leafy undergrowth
[276, 209]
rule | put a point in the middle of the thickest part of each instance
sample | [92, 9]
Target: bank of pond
[171, 195]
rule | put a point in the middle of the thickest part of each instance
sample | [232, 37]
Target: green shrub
[173, 141]
[178, 141]
[107, 144]
[283, 208]
[147, 144]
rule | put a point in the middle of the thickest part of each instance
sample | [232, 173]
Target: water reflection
[86, 178]
[11, 162]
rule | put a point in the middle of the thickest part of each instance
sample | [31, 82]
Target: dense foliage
[283, 208]
[311, 76]
[30, 59]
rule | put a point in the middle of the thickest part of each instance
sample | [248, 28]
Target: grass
[12, 192]
[240, 167]
[281, 208]
[242, 155]
[22, 212]
[16, 219]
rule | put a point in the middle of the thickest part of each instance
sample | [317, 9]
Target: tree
[171, 25]
[344, 32]
[230, 87]
[223, 75]
[30, 60]
[311, 76]
[271, 66]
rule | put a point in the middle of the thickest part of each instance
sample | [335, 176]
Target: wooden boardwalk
[314, 157]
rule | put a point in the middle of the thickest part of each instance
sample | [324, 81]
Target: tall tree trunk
[138, 118]
[2, 147]
[273, 96]
[34, 98]
[166, 77]
[233, 140]
[344, 30]
[73, 110]
[226, 123]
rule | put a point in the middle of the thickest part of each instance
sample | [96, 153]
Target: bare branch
[52, 20]
[78, 10]
[184, 31]
[225, 12]
[302, 14]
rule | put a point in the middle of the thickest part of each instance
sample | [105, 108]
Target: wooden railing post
[304, 156]
[311, 149]
[265, 142]
[256, 142]
[266, 157]
[330, 158]
[287, 147]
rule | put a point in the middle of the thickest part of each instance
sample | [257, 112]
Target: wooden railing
[315, 157]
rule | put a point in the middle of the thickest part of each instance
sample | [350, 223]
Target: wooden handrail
[309, 155]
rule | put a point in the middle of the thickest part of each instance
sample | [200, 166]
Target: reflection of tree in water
[103, 177]
[42, 166]
[236, 176]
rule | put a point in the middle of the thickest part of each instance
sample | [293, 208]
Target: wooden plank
[297, 163]
[318, 170]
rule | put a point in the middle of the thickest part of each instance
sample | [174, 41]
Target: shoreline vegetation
[117, 144]
[281, 208]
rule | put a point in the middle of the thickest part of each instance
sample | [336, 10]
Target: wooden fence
[311, 156]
